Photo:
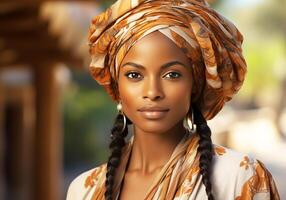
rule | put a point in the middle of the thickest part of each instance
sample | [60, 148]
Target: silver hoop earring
[186, 122]
[119, 109]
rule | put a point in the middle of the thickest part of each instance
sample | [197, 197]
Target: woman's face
[155, 74]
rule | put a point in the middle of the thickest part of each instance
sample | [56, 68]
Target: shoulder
[85, 182]
[236, 164]
[230, 160]
[232, 167]
[238, 174]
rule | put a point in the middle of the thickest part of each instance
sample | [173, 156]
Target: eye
[132, 75]
[173, 75]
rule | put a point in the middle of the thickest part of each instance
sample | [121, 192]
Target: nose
[153, 89]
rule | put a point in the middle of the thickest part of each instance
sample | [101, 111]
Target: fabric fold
[211, 42]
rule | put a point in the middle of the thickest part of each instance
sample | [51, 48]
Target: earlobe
[189, 118]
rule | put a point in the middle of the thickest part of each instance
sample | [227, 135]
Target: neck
[151, 151]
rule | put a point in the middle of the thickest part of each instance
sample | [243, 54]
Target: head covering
[211, 42]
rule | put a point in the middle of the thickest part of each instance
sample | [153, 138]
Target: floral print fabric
[211, 41]
[234, 177]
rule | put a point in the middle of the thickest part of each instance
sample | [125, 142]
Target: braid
[206, 150]
[116, 145]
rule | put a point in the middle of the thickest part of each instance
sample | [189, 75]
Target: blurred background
[55, 120]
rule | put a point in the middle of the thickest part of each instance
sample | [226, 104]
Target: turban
[210, 41]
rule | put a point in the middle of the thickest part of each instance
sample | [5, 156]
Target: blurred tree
[216, 3]
[106, 3]
[272, 19]
[88, 111]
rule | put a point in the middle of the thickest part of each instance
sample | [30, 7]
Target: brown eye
[173, 75]
[133, 75]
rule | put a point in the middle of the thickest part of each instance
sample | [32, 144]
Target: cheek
[180, 94]
[128, 93]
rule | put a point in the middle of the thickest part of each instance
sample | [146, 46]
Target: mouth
[154, 114]
[153, 109]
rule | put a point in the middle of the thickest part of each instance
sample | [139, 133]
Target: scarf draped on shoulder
[176, 178]
[234, 176]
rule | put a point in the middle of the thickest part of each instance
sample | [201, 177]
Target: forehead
[155, 49]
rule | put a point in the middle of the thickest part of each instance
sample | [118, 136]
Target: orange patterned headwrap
[211, 42]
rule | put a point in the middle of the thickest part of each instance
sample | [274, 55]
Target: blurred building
[40, 40]
[37, 38]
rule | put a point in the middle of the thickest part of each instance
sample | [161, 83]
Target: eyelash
[127, 74]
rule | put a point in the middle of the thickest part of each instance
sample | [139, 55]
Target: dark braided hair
[116, 145]
[205, 149]
[118, 142]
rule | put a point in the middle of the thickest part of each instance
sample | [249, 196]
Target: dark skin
[152, 84]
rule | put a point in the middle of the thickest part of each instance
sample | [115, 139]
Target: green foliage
[272, 17]
[216, 3]
[265, 47]
[261, 57]
[106, 3]
[87, 116]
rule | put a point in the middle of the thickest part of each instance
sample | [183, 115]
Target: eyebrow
[166, 65]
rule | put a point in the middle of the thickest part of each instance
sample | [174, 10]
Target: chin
[155, 127]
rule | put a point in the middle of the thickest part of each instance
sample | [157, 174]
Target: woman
[170, 65]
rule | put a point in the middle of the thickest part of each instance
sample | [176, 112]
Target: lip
[153, 109]
[153, 112]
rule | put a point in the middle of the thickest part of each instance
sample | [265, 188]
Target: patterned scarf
[234, 176]
[211, 42]
[174, 179]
